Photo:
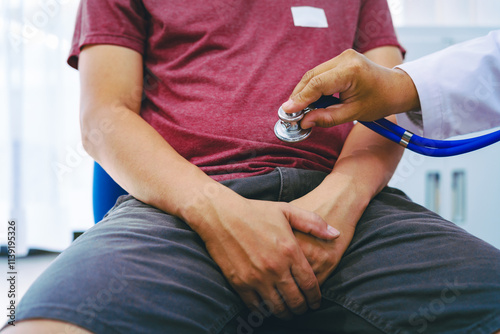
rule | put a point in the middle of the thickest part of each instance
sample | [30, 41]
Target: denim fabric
[140, 270]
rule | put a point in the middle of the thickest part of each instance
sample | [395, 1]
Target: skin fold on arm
[364, 167]
[252, 241]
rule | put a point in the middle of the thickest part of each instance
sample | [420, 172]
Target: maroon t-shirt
[216, 71]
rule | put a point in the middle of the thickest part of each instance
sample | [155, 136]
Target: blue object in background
[105, 192]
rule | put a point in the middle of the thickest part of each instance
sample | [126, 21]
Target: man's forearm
[368, 157]
[369, 160]
[365, 165]
[144, 164]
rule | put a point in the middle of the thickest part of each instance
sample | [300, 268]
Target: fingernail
[333, 231]
[315, 306]
[287, 104]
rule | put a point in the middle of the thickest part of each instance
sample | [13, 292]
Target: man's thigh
[142, 271]
[137, 271]
[408, 270]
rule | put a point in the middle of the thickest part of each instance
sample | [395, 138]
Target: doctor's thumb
[328, 117]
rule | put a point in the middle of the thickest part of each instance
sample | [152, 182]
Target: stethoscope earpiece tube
[288, 129]
[431, 147]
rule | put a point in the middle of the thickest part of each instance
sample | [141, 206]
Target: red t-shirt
[217, 71]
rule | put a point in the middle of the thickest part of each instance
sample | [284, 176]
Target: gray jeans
[140, 270]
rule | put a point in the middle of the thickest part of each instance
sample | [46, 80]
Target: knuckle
[358, 65]
[316, 83]
[289, 250]
[308, 76]
[350, 53]
[309, 284]
[330, 120]
[244, 282]
[299, 97]
[237, 282]
[253, 278]
[327, 120]
[296, 304]
[279, 309]
[269, 266]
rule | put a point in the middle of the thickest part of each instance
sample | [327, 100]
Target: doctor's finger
[331, 116]
[326, 83]
[318, 70]
[342, 63]
[334, 76]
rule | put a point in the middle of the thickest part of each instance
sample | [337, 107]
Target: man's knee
[44, 326]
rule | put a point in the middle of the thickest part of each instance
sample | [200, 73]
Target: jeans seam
[282, 181]
[360, 311]
[489, 324]
[222, 322]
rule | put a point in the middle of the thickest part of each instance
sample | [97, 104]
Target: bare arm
[252, 241]
[364, 167]
[121, 141]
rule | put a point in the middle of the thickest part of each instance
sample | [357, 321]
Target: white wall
[45, 177]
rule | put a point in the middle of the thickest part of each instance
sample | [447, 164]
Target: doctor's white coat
[458, 87]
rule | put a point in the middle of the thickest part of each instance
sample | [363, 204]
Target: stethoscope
[288, 129]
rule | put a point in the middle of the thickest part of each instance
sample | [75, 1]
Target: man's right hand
[254, 245]
[367, 91]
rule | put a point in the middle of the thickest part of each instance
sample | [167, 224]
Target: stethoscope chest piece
[287, 128]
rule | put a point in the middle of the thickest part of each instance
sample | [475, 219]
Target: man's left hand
[342, 213]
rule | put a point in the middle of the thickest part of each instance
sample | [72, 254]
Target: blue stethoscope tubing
[421, 145]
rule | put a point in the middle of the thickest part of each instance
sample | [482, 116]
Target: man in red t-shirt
[183, 94]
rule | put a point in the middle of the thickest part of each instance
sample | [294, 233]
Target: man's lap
[143, 271]
[407, 270]
[137, 271]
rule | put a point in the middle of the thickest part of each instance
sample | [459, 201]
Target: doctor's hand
[254, 245]
[367, 91]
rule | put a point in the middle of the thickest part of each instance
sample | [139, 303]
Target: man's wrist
[338, 188]
[205, 207]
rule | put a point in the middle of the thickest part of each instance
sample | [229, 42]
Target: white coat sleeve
[458, 88]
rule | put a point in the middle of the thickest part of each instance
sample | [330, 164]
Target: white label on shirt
[312, 17]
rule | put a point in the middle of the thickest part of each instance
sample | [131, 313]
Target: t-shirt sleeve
[375, 28]
[117, 22]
